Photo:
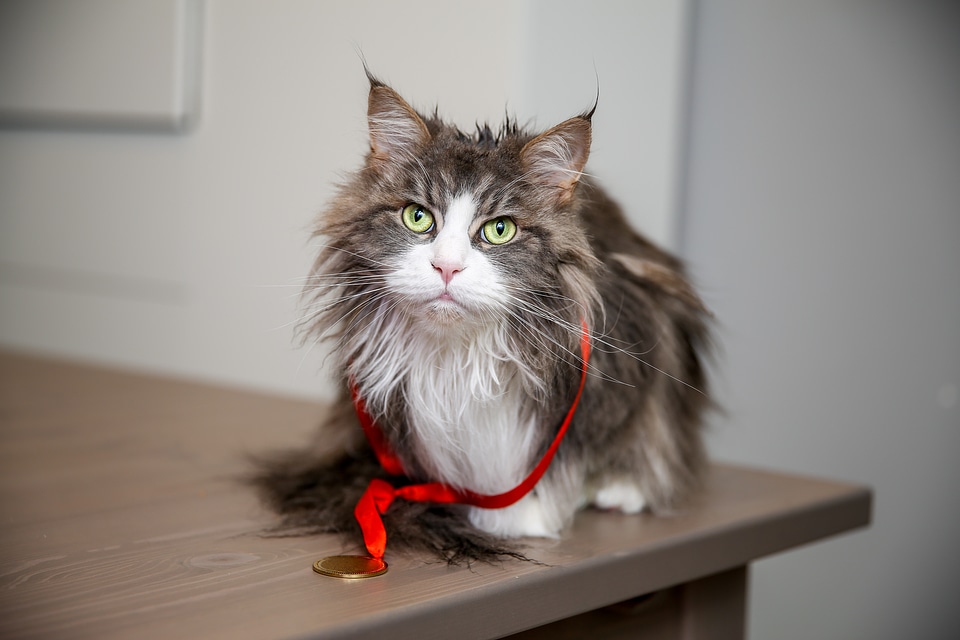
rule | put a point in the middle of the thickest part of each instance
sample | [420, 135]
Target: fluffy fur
[467, 352]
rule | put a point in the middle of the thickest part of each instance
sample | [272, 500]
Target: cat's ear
[396, 131]
[556, 157]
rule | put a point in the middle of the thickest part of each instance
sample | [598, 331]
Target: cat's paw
[525, 519]
[623, 495]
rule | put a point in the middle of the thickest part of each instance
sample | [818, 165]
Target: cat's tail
[317, 494]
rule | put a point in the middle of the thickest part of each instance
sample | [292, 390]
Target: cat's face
[455, 230]
[447, 272]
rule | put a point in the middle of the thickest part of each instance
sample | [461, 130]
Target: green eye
[499, 230]
[417, 219]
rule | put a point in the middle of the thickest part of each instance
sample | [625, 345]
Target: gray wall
[822, 203]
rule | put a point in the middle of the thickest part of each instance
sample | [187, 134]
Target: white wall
[184, 253]
[823, 202]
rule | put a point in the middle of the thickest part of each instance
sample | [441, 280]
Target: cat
[461, 279]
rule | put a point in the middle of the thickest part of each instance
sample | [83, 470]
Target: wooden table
[121, 517]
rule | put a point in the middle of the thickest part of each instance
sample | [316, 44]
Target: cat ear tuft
[556, 157]
[396, 131]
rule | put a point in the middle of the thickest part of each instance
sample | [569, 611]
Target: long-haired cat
[457, 276]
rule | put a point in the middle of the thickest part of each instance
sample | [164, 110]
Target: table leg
[715, 607]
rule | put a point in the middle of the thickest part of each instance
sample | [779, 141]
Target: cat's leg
[619, 492]
[654, 467]
[542, 513]
[526, 518]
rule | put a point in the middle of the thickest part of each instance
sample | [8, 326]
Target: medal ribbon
[380, 494]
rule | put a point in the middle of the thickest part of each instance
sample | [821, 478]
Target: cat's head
[453, 231]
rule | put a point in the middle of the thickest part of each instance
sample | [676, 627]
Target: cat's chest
[467, 434]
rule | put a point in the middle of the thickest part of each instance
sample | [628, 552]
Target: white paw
[620, 494]
[526, 518]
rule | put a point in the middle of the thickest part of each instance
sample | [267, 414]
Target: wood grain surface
[122, 515]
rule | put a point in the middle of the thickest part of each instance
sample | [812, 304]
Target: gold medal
[350, 566]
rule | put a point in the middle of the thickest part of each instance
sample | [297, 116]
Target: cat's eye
[499, 230]
[416, 218]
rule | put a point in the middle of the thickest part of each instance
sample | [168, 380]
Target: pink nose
[447, 269]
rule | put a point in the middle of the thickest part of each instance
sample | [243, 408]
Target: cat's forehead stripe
[460, 213]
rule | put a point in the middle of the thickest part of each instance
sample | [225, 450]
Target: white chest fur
[466, 418]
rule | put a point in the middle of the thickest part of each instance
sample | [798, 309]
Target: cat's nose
[447, 268]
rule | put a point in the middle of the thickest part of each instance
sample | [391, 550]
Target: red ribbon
[380, 494]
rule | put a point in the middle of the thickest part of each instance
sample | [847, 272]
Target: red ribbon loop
[375, 500]
[380, 494]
